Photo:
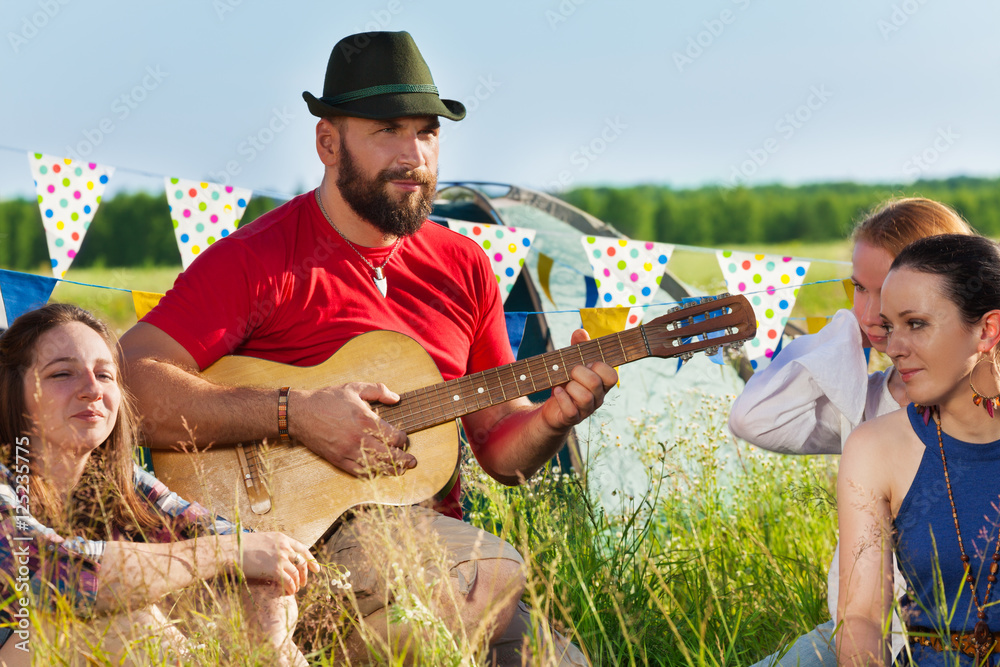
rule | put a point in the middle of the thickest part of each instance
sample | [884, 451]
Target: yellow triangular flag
[603, 321]
[814, 324]
[849, 289]
[544, 273]
[144, 302]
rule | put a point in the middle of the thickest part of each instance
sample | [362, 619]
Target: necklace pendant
[380, 282]
[984, 640]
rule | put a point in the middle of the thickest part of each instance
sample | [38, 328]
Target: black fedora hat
[380, 75]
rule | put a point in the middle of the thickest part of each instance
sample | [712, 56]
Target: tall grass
[721, 563]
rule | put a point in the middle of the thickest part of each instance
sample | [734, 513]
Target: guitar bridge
[260, 499]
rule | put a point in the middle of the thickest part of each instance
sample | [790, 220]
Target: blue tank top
[974, 470]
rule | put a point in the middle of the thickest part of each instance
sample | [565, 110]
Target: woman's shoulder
[884, 429]
[879, 440]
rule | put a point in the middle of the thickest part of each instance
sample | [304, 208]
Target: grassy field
[722, 563]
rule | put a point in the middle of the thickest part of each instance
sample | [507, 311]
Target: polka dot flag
[627, 272]
[203, 213]
[69, 192]
[505, 246]
[771, 283]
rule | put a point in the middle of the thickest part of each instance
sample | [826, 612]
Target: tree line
[717, 216]
[134, 229]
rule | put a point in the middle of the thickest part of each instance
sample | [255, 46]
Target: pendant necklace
[984, 641]
[379, 277]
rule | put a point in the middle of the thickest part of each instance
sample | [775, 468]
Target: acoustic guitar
[290, 489]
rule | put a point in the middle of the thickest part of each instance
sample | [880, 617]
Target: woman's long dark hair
[105, 498]
[969, 267]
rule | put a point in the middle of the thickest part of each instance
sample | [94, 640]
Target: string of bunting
[625, 276]
[21, 292]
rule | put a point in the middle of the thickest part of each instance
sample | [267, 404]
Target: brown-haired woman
[818, 390]
[922, 484]
[83, 522]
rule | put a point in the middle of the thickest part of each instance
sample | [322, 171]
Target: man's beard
[370, 198]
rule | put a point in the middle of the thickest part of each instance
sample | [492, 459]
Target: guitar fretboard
[446, 401]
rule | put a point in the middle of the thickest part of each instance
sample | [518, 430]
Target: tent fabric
[648, 387]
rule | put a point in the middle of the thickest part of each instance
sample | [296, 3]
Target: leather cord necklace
[379, 278]
[983, 637]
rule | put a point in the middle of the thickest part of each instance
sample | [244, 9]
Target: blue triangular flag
[716, 358]
[868, 355]
[21, 292]
[591, 300]
[781, 341]
[515, 329]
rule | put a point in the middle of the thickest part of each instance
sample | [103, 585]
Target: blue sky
[560, 92]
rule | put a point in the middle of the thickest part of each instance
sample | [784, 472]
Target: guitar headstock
[730, 320]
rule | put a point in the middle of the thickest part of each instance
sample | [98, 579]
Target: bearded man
[353, 256]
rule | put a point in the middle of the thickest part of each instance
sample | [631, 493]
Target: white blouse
[807, 401]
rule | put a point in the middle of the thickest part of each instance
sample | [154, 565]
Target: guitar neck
[446, 401]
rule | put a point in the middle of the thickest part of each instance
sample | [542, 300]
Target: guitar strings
[438, 398]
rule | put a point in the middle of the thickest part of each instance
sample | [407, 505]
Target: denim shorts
[5, 634]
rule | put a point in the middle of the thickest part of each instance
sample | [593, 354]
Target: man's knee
[494, 593]
[503, 577]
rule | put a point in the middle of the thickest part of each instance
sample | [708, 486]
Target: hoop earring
[991, 403]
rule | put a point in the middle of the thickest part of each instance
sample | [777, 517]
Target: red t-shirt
[287, 288]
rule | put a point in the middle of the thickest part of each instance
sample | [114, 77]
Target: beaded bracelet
[283, 416]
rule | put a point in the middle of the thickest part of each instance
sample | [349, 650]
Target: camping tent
[647, 386]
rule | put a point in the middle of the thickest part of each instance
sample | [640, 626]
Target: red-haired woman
[818, 389]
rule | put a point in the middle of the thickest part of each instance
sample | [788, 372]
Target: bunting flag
[814, 324]
[545, 275]
[771, 283]
[590, 300]
[603, 321]
[68, 195]
[599, 322]
[21, 292]
[505, 246]
[144, 302]
[203, 213]
[849, 290]
[515, 330]
[628, 273]
[716, 358]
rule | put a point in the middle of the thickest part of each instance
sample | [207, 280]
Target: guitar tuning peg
[673, 309]
[710, 351]
[686, 357]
